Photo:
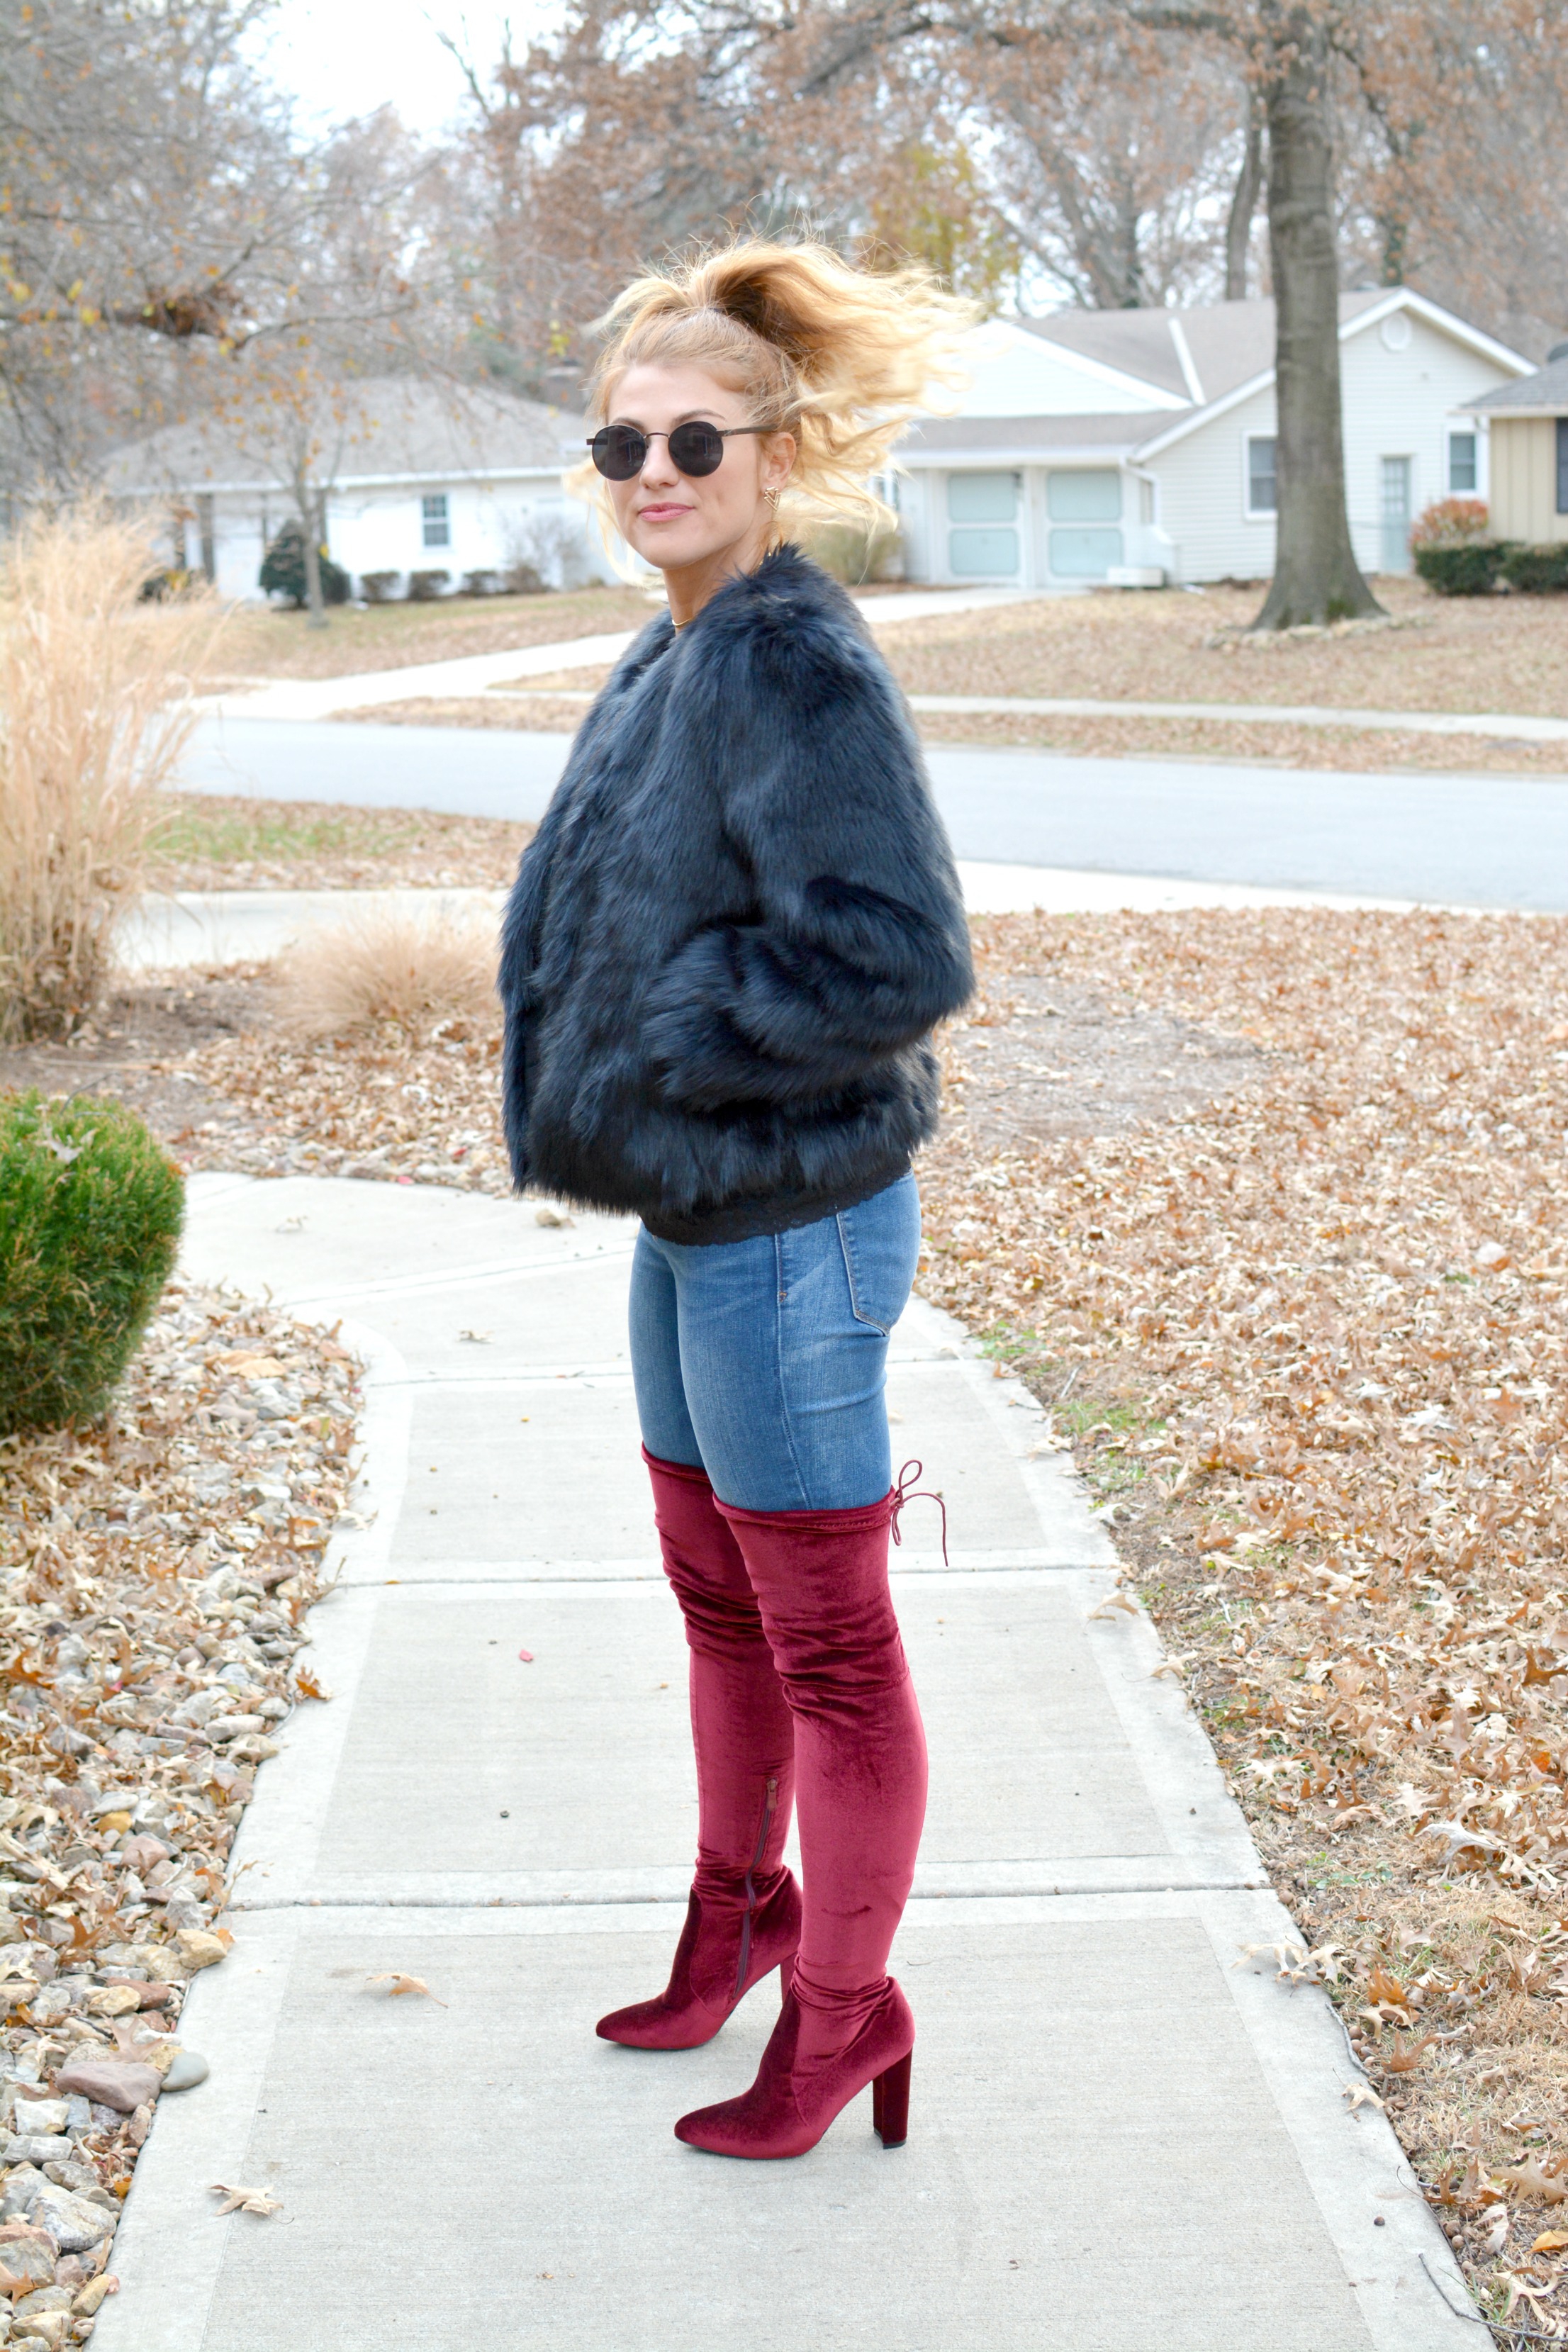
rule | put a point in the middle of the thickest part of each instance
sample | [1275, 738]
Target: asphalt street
[1474, 840]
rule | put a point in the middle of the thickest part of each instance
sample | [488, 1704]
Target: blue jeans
[763, 1361]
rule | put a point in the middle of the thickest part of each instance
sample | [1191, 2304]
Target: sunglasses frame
[723, 432]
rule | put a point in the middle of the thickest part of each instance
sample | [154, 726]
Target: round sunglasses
[620, 451]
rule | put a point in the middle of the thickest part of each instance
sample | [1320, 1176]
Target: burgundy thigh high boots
[744, 1916]
[821, 1579]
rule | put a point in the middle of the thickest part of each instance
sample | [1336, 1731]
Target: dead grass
[95, 710]
[1309, 1343]
[1502, 653]
[270, 644]
[217, 843]
[523, 714]
[1248, 741]
[413, 971]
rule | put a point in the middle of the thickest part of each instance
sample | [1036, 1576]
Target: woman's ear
[778, 461]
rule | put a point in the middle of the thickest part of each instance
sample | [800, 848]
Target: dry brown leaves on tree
[1311, 1336]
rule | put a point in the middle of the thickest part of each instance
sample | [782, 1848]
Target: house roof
[381, 429]
[1228, 343]
[1545, 394]
[1019, 436]
[1207, 358]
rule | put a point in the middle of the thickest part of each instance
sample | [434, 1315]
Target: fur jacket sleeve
[740, 920]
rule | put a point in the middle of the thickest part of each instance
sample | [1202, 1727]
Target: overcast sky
[349, 56]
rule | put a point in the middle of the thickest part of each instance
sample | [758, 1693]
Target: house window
[1562, 464]
[1262, 475]
[1091, 495]
[438, 527]
[1461, 465]
[982, 511]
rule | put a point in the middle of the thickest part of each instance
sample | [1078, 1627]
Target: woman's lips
[663, 513]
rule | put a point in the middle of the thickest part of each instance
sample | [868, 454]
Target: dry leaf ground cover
[1297, 1298]
[1449, 653]
[1114, 738]
[155, 1571]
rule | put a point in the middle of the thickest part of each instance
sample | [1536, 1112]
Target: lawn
[1494, 653]
[1269, 1209]
[260, 643]
[216, 842]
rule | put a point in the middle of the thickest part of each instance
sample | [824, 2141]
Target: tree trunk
[314, 513]
[1316, 576]
[1243, 206]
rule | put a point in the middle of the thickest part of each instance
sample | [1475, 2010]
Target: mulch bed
[158, 1568]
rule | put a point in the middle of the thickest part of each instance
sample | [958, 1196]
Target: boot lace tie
[905, 1493]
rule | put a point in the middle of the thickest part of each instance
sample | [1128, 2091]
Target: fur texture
[738, 923]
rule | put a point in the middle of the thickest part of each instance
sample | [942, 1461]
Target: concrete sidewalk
[194, 929]
[1121, 2141]
[318, 698]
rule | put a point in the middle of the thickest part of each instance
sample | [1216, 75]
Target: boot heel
[891, 2103]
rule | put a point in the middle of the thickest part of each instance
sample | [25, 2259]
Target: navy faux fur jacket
[736, 927]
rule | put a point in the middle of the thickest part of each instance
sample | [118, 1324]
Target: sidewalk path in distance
[317, 697]
[1121, 2140]
[196, 929]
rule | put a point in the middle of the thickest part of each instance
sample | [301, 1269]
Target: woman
[722, 962]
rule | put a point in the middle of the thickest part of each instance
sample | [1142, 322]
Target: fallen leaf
[1403, 2058]
[398, 1983]
[306, 1683]
[1531, 2179]
[479, 1338]
[1362, 2094]
[1113, 1601]
[246, 2201]
[1550, 2241]
[1381, 1986]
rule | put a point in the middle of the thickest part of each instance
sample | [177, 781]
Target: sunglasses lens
[619, 452]
[697, 449]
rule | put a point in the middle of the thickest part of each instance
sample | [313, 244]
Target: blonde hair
[838, 356]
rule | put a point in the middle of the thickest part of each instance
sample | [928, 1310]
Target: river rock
[235, 1727]
[200, 1948]
[120, 2083]
[28, 2256]
[19, 2192]
[114, 2000]
[46, 2116]
[46, 2298]
[74, 2222]
[37, 2147]
[185, 2071]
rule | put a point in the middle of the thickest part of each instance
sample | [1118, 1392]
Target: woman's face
[673, 519]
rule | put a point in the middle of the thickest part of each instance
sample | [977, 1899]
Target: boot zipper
[750, 1890]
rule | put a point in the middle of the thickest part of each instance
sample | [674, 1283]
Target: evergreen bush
[283, 571]
[1467, 569]
[1537, 571]
[89, 1222]
[380, 587]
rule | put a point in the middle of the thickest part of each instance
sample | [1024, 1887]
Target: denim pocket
[880, 1239]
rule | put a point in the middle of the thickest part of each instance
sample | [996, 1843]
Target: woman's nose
[657, 472]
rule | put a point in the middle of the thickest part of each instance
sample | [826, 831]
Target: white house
[1135, 446]
[420, 478]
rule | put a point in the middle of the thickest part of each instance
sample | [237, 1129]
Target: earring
[773, 498]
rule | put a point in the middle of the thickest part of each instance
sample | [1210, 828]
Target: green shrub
[90, 1222]
[1537, 571]
[283, 571]
[1470, 570]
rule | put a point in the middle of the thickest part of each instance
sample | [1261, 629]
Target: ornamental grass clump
[95, 708]
[89, 1222]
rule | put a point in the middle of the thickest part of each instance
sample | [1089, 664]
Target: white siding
[1403, 404]
[1396, 404]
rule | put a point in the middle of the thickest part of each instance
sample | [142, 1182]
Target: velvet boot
[821, 1581]
[742, 1918]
